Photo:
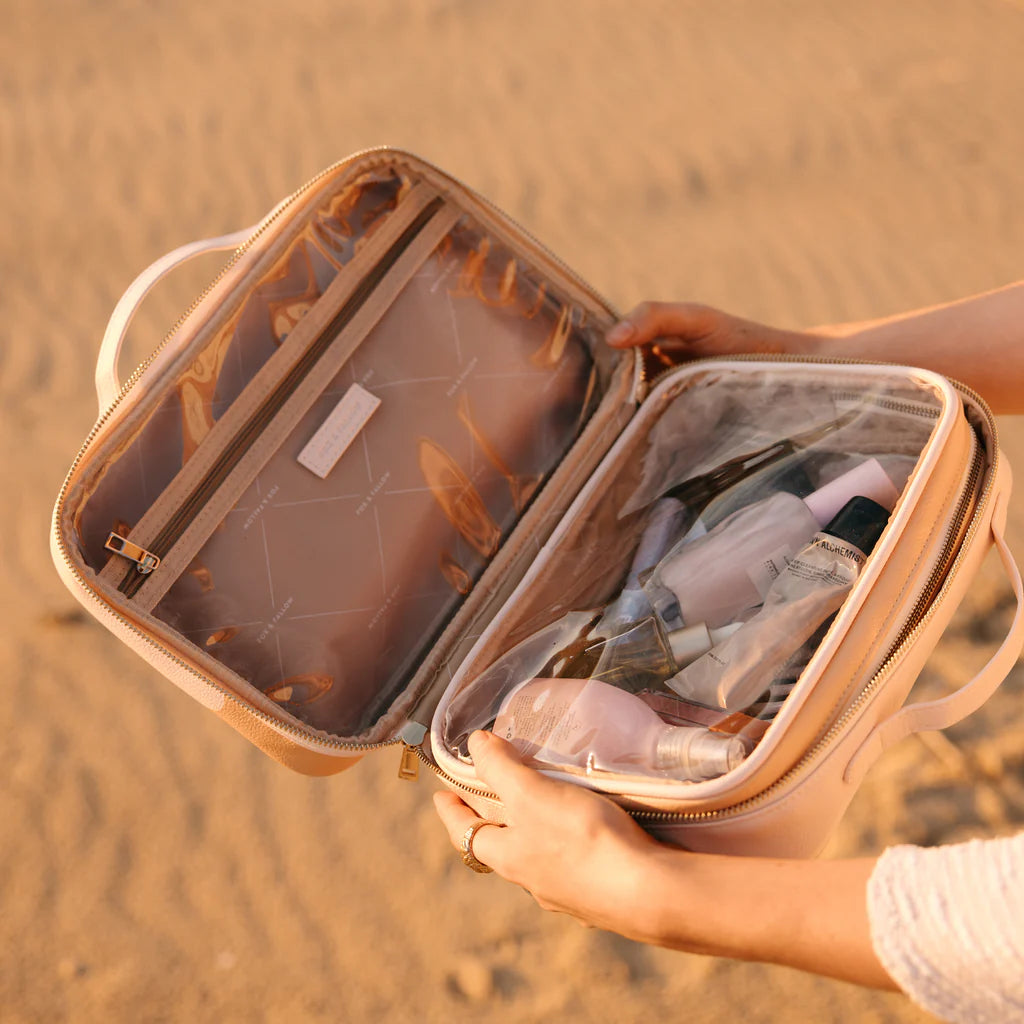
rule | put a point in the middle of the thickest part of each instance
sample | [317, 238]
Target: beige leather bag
[388, 443]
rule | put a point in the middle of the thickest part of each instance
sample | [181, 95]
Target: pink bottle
[717, 577]
[591, 724]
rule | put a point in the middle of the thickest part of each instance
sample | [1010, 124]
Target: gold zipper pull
[145, 561]
[409, 765]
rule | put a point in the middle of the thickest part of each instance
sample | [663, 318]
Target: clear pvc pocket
[676, 607]
[322, 545]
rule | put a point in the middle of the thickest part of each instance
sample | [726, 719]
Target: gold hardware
[409, 765]
[145, 560]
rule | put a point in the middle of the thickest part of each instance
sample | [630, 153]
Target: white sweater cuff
[948, 925]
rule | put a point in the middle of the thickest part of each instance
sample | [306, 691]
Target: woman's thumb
[500, 767]
[651, 320]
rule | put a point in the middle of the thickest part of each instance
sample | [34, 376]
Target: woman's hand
[576, 852]
[686, 330]
[979, 340]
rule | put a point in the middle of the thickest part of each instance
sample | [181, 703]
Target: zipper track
[892, 404]
[228, 459]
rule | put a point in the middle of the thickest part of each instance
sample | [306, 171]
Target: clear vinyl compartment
[667, 621]
[337, 586]
[324, 592]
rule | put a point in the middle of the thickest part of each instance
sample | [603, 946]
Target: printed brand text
[374, 491]
[272, 624]
[261, 507]
[461, 379]
[388, 602]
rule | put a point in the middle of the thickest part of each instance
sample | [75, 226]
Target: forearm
[811, 915]
[978, 341]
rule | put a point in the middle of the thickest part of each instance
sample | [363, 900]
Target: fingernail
[621, 333]
[480, 736]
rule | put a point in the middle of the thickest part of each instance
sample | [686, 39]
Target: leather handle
[108, 385]
[945, 711]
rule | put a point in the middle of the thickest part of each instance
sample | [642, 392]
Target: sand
[794, 161]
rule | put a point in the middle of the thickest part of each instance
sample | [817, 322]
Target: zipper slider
[409, 764]
[411, 735]
[145, 561]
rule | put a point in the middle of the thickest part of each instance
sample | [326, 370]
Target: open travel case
[385, 472]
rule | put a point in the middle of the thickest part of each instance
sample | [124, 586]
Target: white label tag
[338, 431]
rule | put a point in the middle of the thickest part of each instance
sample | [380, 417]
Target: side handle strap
[108, 385]
[941, 713]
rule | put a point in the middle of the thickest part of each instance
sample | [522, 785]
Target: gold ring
[467, 847]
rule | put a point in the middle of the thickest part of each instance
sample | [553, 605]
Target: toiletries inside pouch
[626, 644]
[716, 578]
[645, 654]
[667, 518]
[585, 643]
[793, 475]
[674, 710]
[589, 724]
[735, 673]
[789, 475]
[679, 511]
[569, 648]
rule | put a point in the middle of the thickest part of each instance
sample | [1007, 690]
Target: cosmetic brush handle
[698, 491]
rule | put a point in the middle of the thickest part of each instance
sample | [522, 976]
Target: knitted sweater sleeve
[948, 925]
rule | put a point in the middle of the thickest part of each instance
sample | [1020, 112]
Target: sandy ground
[791, 160]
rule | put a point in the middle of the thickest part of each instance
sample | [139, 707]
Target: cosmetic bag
[388, 445]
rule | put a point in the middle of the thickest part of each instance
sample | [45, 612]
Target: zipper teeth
[225, 463]
[908, 633]
[893, 404]
[450, 780]
[937, 575]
